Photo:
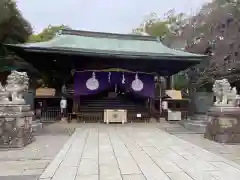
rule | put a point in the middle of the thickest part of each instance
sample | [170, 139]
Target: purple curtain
[141, 84]
[88, 82]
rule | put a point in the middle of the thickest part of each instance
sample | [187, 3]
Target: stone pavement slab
[134, 177]
[86, 177]
[179, 176]
[229, 151]
[32, 159]
[88, 167]
[126, 152]
[25, 177]
[44, 148]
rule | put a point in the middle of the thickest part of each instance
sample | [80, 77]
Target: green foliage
[158, 29]
[9, 63]
[180, 81]
[153, 26]
[47, 33]
[165, 28]
[13, 27]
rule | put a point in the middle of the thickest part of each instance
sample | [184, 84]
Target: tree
[47, 33]
[153, 26]
[215, 31]
[166, 28]
[180, 81]
[13, 27]
[169, 25]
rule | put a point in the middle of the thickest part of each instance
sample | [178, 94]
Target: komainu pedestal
[15, 115]
[224, 125]
[15, 126]
[224, 116]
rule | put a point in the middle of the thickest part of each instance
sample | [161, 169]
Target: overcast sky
[119, 16]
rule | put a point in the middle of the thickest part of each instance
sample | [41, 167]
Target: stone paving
[29, 163]
[229, 151]
[128, 152]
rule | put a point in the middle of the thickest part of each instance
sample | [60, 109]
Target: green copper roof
[83, 41]
[83, 50]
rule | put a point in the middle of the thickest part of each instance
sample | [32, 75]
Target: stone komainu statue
[225, 94]
[17, 83]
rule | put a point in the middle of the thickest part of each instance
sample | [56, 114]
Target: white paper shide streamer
[109, 77]
[123, 79]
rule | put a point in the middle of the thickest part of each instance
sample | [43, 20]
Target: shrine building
[103, 71]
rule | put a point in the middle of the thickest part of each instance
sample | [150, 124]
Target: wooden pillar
[150, 105]
[160, 98]
[170, 82]
[160, 85]
[76, 99]
[76, 104]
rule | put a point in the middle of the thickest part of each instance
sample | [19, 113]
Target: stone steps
[98, 105]
[196, 123]
[199, 117]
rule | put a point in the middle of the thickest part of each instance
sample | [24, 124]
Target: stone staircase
[96, 105]
[196, 123]
[105, 103]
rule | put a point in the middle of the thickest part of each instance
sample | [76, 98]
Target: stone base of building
[223, 125]
[15, 126]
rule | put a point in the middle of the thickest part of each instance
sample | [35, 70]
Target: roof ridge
[108, 35]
